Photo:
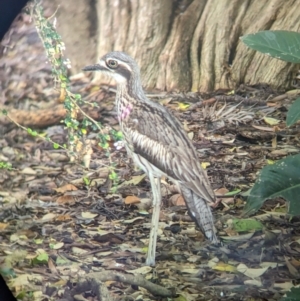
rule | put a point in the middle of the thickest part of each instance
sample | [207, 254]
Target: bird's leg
[155, 186]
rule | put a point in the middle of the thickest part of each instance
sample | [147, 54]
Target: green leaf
[41, 259]
[234, 192]
[113, 175]
[104, 145]
[55, 145]
[38, 241]
[5, 165]
[293, 114]
[86, 181]
[246, 224]
[77, 96]
[31, 132]
[281, 179]
[283, 45]
[292, 295]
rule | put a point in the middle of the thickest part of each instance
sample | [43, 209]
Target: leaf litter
[57, 229]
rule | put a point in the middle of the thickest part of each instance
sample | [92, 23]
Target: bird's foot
[150, 261]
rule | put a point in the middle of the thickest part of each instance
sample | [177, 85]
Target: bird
[157, 143]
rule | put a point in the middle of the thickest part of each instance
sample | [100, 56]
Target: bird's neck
[131, 90]
[134, 88]
[124, 102]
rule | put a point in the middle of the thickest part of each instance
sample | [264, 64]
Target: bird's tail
[200, 211]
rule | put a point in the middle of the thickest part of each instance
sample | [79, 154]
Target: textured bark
[253, 67]
[180, 45]
[78, 26]
[140, 28]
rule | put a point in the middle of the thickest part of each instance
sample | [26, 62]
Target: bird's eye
[112, 64]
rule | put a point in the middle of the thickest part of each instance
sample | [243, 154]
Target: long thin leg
[155, 186]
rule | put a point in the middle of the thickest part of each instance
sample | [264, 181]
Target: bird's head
[118, 65]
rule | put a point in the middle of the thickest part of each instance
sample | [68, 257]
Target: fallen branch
[95, 281]
[42, 118]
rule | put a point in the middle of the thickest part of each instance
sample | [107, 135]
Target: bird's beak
[97, 67]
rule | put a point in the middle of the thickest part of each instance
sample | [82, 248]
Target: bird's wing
[153, 133]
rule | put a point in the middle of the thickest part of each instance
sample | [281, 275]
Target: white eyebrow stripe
[102, 63]
[121, 63]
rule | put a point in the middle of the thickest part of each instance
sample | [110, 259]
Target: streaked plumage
[158, 144]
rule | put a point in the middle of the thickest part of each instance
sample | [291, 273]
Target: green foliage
[41, 258]
[245, 225]
[31, 132]
[281, 179]
[86, 180]
[283, 45]
[5, 165]
[280, 44]
[293, 114]
[77, 131]
[113, 175]
[234, 192]
[292, 295]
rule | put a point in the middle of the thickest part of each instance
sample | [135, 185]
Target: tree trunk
[180, 45]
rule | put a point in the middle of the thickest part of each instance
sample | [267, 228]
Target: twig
[96, 279]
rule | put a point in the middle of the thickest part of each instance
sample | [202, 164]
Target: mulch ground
[69, 233]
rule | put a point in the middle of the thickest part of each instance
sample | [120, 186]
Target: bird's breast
[124, 111]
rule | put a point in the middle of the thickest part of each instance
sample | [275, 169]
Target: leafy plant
[283, 45]
[77, 149]
[281, 179]
[292, 295]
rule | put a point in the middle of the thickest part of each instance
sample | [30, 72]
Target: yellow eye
[112, 64]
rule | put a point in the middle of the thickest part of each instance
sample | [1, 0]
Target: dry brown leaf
[263, 128]
[48, 217]
[28, 171]
[293, 271]
[87, 214]
[58, 246]
[220, 192]
[109, 283]
[68, 187]
[271, 121]
[142, 270]
[279, 152]
[295, 262]
[255, 282]
[274, 142]
[131, 199]
[134, 181]
[3, 226]
[144, 204]
[64, 217]
[249, 272]
[224, 267]
[177, 200]
[191, 135]
[65, 199]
